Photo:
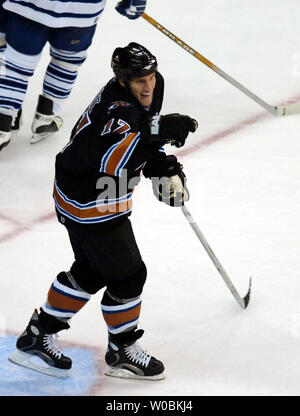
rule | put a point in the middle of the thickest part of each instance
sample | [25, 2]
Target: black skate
[45, 123]
[126, 359]
[38, 351]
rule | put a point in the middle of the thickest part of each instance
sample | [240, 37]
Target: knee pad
[74, 58]
[21, 64]
[86, 278]
[14, 80]
[69, 66]
[58, 82]
[130, 287]
[121, 302]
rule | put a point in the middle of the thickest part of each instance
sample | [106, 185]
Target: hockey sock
[120, 315]
[61, 75]
[14, 80]
[65, 297]
[58, 83]
[51, 324]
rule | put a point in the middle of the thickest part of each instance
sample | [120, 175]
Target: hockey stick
[243, 302]
[275, 110]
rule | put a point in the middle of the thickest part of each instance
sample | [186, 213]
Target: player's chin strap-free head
[132, 61]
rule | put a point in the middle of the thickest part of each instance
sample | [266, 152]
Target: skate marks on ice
[86, 376]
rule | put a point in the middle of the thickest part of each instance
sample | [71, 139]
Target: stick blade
[289, 109]
[246, 299]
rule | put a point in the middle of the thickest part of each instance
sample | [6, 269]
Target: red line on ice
[221, 135]
[231, 130]
[194, 148]
[19, 228]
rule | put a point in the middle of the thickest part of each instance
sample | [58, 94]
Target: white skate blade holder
[36, 138]
[35, 363]
[55, 123]
[124, 373]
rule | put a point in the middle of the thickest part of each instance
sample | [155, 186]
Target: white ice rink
[243, 173]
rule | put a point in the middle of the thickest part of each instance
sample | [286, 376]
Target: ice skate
[45, 122]
[5, 130]
[127, 359]
[37, 350]
[4, 138]
[18, 121]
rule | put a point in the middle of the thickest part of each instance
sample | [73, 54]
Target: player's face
[142, 89]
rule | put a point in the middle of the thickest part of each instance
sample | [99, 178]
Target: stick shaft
[213, 257]
[205, 61]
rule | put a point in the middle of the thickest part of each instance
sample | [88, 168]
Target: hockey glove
[172, 191]
[131, 8]
[168, 180]
[171, 128]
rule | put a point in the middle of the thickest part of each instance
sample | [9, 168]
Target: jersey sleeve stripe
[127, 155]
[114, 158]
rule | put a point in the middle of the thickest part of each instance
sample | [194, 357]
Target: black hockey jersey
[95, 173]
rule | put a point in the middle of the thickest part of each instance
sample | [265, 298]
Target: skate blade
[2, 145]
[37, 364]
[36, 138]
[123, 373]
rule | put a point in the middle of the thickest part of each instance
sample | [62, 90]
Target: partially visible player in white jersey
[25, 28]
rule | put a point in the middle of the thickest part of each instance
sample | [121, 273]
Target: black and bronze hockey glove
[171, 128]
[168, 180]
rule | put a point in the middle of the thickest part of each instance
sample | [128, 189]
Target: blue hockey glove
[131, 8]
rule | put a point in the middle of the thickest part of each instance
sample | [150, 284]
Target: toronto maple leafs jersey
[96, 172]
[58, 13]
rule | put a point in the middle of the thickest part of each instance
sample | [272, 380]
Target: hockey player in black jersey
[118, 138]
